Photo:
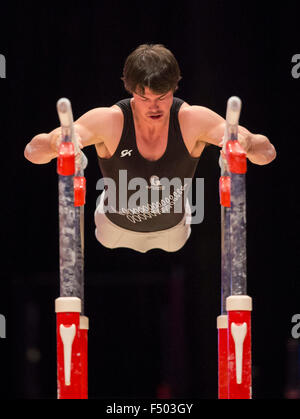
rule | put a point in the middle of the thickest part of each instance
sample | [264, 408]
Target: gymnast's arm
[94, 127]
[209, 127]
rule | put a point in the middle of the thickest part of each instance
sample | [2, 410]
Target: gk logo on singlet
[125, 153]
[2, 67]
[2, 327]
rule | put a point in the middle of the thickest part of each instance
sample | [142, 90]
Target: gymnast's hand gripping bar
[234, 328]
[65, 115]
[72, 325]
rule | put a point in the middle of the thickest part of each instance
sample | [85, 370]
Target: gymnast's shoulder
[100, 124]
[200, 123]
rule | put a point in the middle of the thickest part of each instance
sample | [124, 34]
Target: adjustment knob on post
[236, 157]
[66, 159]
[79, 191]
[224, 191]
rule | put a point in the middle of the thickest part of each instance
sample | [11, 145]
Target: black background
[152, 316]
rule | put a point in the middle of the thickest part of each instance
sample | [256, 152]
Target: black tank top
[156, 190]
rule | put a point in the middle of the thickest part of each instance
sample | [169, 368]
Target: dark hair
[152, 66]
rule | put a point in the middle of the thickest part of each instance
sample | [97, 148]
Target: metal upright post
[72, 325]
[238, 304]
[234, 323]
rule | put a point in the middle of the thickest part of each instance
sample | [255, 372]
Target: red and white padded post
[222, 326]
[69, 348]
[239, 309]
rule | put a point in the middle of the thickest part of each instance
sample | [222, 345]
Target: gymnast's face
[152, 107]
